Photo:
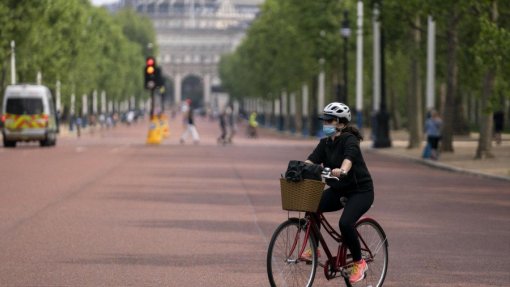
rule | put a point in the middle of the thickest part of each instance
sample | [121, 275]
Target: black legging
[433, 141]
[357, 204]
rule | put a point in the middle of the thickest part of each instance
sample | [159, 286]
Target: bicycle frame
[334, 264]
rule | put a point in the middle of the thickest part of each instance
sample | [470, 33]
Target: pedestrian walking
[230, 118]
[79, 123]
[433, 129]
[252, 125]
[426, 149]
[499, 119]
[189, 122]
[222, 139]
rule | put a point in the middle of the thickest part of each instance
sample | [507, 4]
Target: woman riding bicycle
[340, 151]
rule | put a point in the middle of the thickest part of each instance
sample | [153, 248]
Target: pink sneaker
[307, 254]
[358, 271]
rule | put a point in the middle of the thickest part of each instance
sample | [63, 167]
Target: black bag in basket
[299, 170]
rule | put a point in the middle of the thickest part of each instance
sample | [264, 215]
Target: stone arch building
[193, 34]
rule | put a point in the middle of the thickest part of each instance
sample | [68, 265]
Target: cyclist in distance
[340, 151]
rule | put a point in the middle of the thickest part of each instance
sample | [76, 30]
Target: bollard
[163, 122]
[154, 136]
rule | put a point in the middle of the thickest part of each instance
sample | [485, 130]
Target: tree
[282, 49]
[492, 56]
[295, 36]
[84, 47]
[138, 29]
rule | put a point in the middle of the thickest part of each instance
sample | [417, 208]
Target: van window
[24, 106]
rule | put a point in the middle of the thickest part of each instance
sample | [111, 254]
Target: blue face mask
[329, 130]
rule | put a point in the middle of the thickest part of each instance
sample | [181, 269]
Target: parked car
[28, 114]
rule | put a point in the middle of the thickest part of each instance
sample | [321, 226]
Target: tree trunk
[314, 99]
[451, 83]
[415, 105]
[335, 85]
[461, 125]
[299, 111]
[484, 149]
[395, 115]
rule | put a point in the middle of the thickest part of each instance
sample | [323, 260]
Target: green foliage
[282, 48]
[140, 31]
[85, 47]
[491, 49]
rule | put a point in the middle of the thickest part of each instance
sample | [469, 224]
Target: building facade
[193, 34]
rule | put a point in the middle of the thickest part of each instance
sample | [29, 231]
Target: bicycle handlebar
[326, 173]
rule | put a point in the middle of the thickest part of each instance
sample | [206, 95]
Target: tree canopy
[84, 47]
[283, 47]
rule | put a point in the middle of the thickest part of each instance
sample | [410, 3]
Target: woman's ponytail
[354, 131]
[350, 129]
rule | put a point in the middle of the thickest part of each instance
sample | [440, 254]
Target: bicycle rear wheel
[374, 249]
[285, 267]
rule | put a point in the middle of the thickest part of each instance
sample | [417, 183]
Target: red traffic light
[151, 73]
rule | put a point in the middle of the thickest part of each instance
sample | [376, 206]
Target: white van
[28, 114]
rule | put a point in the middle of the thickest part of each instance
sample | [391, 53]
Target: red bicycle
[286, 265]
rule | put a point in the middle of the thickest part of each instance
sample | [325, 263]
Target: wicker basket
[304, 195]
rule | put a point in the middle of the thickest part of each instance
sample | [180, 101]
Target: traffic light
[150, 73]
[160, 81]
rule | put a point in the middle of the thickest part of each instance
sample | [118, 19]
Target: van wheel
[8, 143]
[50, 140]
[45, 143]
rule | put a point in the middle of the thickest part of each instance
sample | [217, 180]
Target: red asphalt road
[108, 210]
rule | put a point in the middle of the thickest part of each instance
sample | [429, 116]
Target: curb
[430, 163]
[442, 166]
[65, 133]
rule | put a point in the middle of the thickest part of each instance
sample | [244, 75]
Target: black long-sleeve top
[331, 153]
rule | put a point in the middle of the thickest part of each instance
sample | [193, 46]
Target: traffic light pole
[153, 104]
[153, 80]
[154, 136]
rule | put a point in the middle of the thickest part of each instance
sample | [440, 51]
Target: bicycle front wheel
[285, 263]
[374, 249]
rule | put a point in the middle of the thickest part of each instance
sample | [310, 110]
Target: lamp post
[321, 95]
[345, 31]
[13, 62]
[359, 66]
[382, 138]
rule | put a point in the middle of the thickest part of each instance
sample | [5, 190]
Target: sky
[101, 2]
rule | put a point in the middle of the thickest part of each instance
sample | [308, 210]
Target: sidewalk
[461, 160]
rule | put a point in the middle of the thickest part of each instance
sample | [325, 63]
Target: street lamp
[345, 31]
[382, 126]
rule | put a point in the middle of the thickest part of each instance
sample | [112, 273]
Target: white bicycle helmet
[337, 110]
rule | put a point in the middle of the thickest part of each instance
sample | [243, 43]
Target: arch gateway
[193, 34]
